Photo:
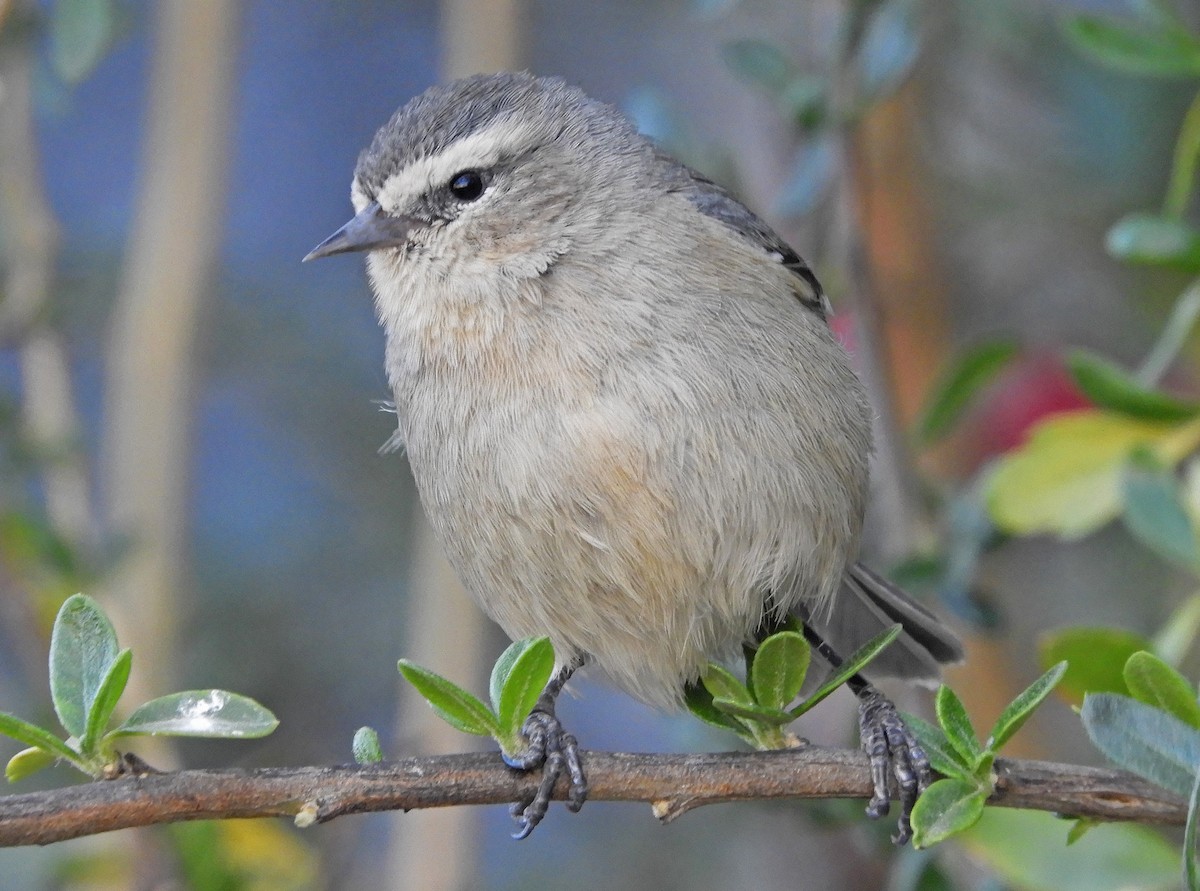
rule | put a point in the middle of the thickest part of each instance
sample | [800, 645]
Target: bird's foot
[894, 752]
[556, 752]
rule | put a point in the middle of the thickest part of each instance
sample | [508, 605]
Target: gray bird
[627, 418]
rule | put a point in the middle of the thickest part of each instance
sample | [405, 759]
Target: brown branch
[673, 784]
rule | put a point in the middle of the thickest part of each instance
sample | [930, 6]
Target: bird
[629, 422]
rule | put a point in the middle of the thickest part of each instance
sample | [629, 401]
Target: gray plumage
[628, 421]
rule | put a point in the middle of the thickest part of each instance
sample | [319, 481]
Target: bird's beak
[369, 230]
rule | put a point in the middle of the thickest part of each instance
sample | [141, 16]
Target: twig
[673, 784]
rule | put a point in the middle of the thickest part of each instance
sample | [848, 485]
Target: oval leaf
[527, 678]
[956, 724]
[453, 704]
[366, 746]
[945, 809]
[80, 34]
[1143, 739]
[778, 670]
[942, 756]
[38, 738]
[721, 683]
[758, 62]
[1018, 711]
[1095, 658]
[1152, 681]
[1109, 386]
[105, 702]
[503, 666]
[83, 646]
[26, 763]
[958, 384]
[1154, 513]
[203, 713]
[1161, 241]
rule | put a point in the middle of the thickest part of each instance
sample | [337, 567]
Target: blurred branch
[31, 245]
[673, 784]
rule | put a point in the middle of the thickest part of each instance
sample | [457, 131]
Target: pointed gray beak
[369, 230]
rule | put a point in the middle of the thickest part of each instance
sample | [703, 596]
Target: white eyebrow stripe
[478, 151]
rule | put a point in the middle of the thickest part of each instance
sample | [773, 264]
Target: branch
[673, 784]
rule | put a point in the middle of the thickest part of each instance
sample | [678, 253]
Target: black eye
[467, 185]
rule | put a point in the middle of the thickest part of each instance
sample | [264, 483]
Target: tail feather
[865, 605]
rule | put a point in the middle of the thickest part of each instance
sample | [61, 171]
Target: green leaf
[723, 684]
[366, 746]
[453, 704]
[700, 703]
[1154, 682]
[952, 716]
[1154, 513]
[1138, 737]
[772, 717]
[1159, 52]
[1175, 638]
[1067, 478]
[504, 666]
[83, 646]
[778, 670]
[758, 62]
[1189, 838]
[81, 31]
[1159, 241]
[37, 737]
[943, 757]
[1095, 658]
[959, 384]
[1026, 850]
[1183, 163]
[27, 762]
[202, 713]
[1079, 828]
[1111, 387]
[1018, 711]
[111, 688]
[946, 808]
[857, 662]
[527, 677]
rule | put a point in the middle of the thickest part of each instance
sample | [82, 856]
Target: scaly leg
[553, 750]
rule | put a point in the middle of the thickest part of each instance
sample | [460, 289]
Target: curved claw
[556, 752]
[894, 753]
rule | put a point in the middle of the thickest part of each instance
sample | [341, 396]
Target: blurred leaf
[216, 714]
[1023, 705]
[1143, 739]
[1113, 388]
[1095, 658]
[83, 646]
[758, 62]
[453, 704]
[1067, 478]
[1175, 638]
[958, 384]
[955, 723]
[27, 762]
[1026, 848]
[945, 809]
[243, 855]
[1152, 681]
[1154, 513]
[888, 50]
[805, 100]
[942, 756]
[111, 688]
[36, 737]
[1148, 239]
[812, 174]
[81, 32]
[527, 677]
[1079, 828]
[365, 746]
[857, 661]
[1183, 164]
[1159, 52]
[779, 667]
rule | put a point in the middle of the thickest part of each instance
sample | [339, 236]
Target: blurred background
[190, 420]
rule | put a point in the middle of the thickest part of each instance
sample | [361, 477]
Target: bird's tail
[865, 605]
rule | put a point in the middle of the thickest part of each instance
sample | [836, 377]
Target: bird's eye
[467, 185]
